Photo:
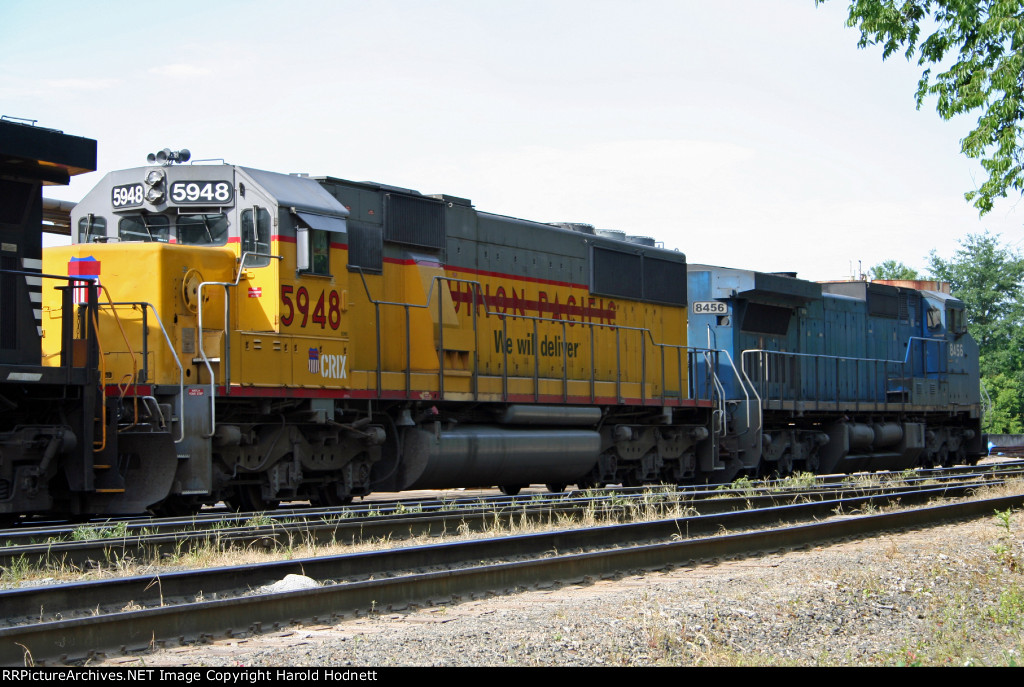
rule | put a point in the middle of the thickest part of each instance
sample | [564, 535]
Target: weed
[259, 520]
[27, 658]
[1009, 610]
[908, 475]
[104, 531]
[746, 486]
[1004, 518]
[799, 480]
[17, 570]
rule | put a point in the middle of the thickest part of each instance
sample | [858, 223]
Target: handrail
[906, 356]
[227, 338]
[67, 335]
[875, 363]
[131, 352]
[746, 396]
[101, 366]
[477, 290]
[177, 361]
[721, 395]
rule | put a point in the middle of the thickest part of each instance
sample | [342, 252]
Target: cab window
[256, 236]
[313, 248]
[957, 321]
[144, 228]
[203, 230]
[92, 229]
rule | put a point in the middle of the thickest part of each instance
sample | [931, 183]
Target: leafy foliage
[985, 41]
[989, 278]
[893, 270]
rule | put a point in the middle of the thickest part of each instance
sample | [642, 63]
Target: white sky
[747, 133]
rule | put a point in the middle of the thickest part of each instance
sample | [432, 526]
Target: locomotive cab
[212, 274]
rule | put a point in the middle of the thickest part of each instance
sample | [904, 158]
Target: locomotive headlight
[156, 191]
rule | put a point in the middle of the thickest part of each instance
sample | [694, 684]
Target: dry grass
[964, 608]
[652, 504]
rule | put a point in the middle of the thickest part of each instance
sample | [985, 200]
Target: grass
[117, 530]
[946, 607]
[651, 503]
[958, 609]
[671, 640]
[957, 606]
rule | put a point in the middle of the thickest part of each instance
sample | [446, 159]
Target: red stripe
[503, 275]
[299, 392]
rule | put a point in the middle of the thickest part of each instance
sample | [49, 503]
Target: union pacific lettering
[590, 309]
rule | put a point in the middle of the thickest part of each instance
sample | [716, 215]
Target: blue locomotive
[837, 377]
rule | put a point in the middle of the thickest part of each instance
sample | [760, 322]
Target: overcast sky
[748, 133]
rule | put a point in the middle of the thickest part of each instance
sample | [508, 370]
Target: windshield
[203, 230]
[144, 228]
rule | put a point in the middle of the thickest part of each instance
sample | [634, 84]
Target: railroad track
[134, 613]
[101, 544]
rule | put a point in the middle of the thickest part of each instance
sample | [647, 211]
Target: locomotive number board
[709, 308]
[216, 192]
[127, 196]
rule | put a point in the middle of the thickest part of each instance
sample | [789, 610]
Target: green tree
[1006, 392]
[987, 276]
[978, 46]
[893, 269]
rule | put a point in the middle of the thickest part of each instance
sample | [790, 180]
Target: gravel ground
[951, 595]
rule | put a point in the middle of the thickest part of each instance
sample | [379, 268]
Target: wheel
[511, 489]
[249, 497]
[328, 496]
[176, 506]
[630, 478]
[555, 488]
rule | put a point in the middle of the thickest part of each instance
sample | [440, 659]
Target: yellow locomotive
[315, 338]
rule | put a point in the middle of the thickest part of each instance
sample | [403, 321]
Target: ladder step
[110, 491]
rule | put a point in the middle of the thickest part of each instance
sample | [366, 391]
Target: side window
[957, 321]
[144, 228]
[203, 230]
[313, 251]
[320, 251]
[91, 229]
[934, 317]
[256, 236]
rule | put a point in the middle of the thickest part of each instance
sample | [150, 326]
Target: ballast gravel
[903, 598]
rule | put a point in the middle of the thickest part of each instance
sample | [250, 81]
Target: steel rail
[79, 638]
[322, 532]
[142, 538]
[26, 532]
